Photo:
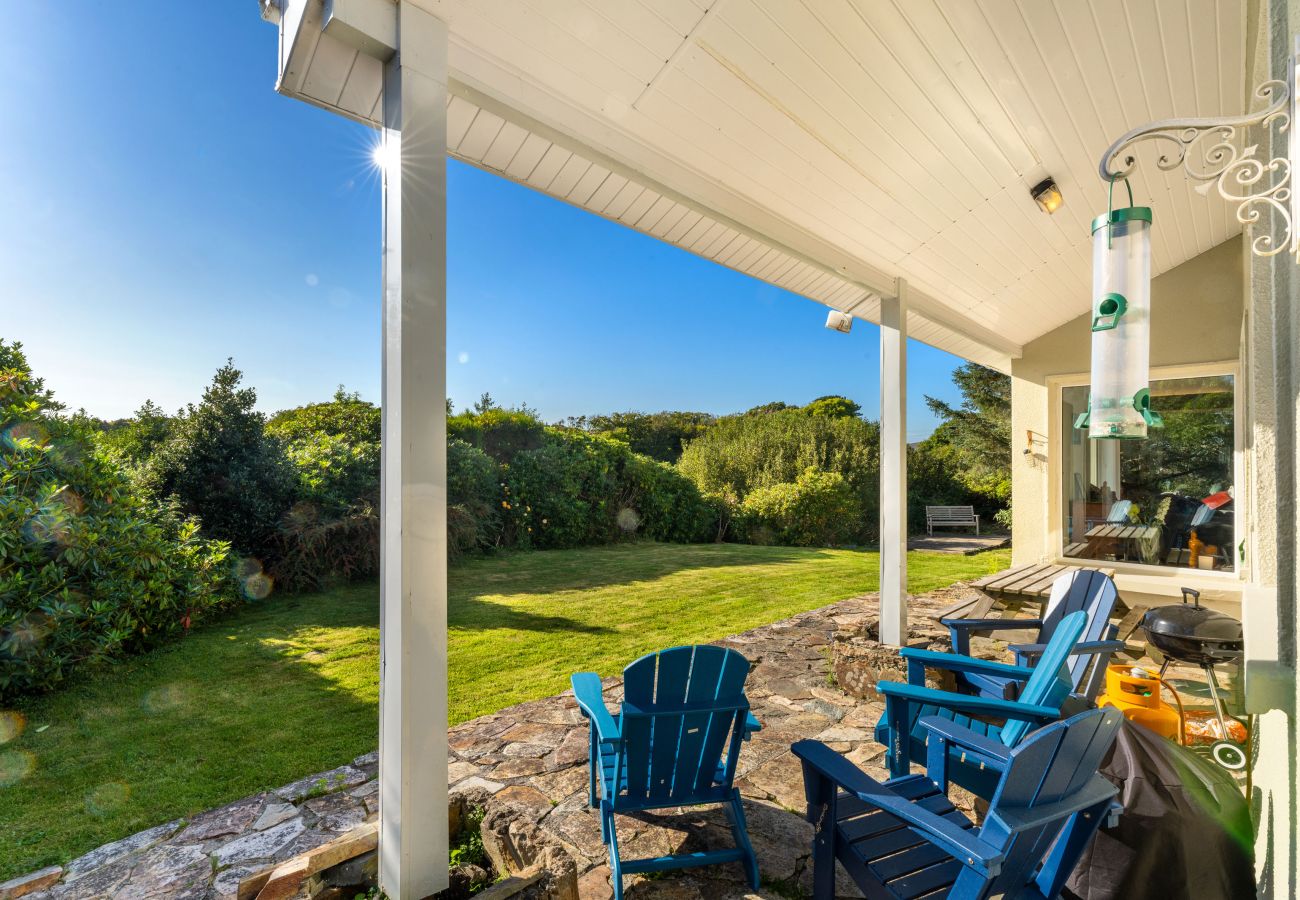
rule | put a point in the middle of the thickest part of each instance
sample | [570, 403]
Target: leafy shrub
[224, 468]
[741, 454]
[834, 406]
[500, 433]
[134, 440]
[334, 447]
[578, 489]
[660, 435]
[310, 550]
[473, 499]
[90, 569]
[817, 509]
[667, 505]
[562, 494]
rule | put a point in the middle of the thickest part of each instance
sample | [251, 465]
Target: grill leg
[1218, 703]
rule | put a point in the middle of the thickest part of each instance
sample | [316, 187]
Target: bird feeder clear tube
[1120, 402]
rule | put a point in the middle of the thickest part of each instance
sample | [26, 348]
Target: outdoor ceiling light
[839, 321]
[1047, 195]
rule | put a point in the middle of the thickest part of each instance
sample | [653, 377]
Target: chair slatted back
[1051, 682]
[682, 708]
[1050, 766]
[1092, 592]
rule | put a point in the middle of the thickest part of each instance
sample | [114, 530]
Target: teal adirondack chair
[904, 839]
[1046, 687]
[675, 742]
[1088, 590]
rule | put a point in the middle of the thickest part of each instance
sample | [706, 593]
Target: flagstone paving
[542, 745]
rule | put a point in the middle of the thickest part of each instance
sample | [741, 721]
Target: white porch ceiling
[829, 146]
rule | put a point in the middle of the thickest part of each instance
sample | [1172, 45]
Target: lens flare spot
[26, 635]
[257, 587]
[12, 724]
[107, 799]
[166, 697]
[15, 765]
[247, 567]
[628, 519]
[462, 357]
[312, 279]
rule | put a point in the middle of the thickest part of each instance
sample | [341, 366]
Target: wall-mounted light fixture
[1047, 195]
[839, 321]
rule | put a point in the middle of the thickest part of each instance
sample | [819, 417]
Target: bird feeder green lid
[1127, 214]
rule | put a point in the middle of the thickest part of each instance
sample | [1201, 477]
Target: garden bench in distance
[950, 517]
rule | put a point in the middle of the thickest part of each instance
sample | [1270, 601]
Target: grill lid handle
[1194, 594]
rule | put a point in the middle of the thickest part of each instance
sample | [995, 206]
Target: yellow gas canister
[1136, 693]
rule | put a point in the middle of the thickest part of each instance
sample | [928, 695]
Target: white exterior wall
[1270, 347]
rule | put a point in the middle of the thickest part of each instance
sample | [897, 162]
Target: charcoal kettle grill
[1188, 632]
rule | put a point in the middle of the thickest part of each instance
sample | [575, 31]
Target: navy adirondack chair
[903, 839]
[1044, 689]
[1087, 590]
[675, 742]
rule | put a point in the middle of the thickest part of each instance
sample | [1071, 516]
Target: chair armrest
[962, 736]
[992, 624]
[1094, 794]
[953, 662]
[959, 630]
[959, 842]
[586, 690]
[1026, 652]
[751, 725]
[968, 703]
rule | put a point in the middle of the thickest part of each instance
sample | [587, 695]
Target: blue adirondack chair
[675, 742]
[1087, 590]
[1044, 689]
[904, 839]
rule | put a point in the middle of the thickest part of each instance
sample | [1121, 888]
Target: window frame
[1056, 435]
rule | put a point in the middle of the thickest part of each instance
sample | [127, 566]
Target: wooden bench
[954, 516]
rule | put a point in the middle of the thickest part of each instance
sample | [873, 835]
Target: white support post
[893, 466]
[413, 579]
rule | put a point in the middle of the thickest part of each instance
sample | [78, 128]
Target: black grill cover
[1185, 831]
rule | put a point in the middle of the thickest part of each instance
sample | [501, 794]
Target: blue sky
[164, 209]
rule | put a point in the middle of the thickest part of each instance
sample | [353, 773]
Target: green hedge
[90, 568]
[579, 489]
[743, 454]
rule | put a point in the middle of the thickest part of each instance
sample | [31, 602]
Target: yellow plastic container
[1139, 700]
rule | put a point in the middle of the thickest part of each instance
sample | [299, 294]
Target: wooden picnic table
[1123, 532]
[1032, 581]
[1012, 588]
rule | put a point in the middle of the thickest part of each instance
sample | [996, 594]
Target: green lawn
[290, 686]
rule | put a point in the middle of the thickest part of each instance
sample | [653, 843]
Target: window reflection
[1163, 501]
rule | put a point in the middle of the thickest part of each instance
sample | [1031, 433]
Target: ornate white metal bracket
[1210, 151]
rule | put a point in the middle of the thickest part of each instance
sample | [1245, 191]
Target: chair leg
[610, 837]
[896, 754]
[593, 761]
[736, 813]
[824, 854]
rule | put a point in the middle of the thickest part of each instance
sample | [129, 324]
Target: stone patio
[538, 751]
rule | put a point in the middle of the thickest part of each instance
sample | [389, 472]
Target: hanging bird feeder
[1120, 402]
